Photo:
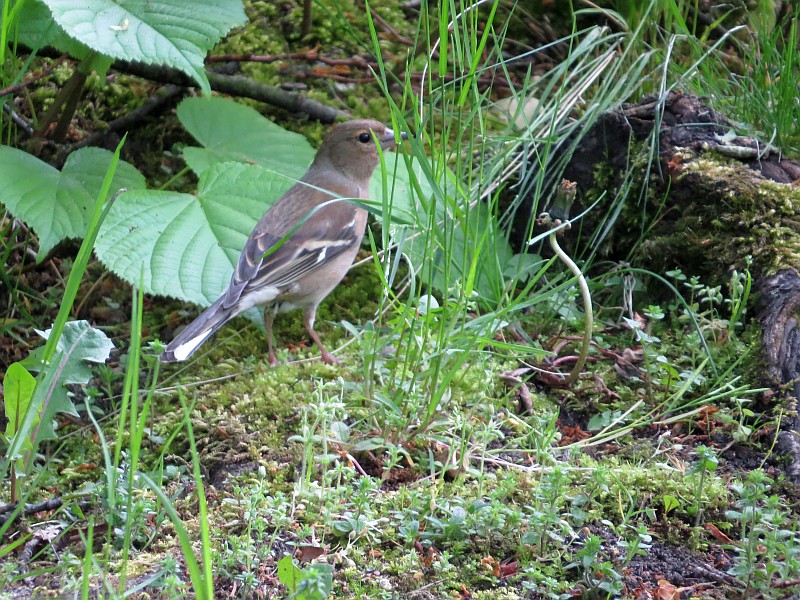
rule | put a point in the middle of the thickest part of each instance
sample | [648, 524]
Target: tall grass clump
[477, 165]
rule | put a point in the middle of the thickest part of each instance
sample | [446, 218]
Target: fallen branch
[161, 97]
[238, 85]
[28, 509]
[312, 55]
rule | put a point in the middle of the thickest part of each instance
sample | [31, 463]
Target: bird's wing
[326, 234]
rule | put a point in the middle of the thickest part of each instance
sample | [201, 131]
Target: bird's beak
[388, 140]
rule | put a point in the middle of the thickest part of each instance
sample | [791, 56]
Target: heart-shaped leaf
[230, 131]
[58, 204]
[168, 32]
[186, 246]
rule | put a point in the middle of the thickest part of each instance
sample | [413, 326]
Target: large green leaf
[230, 131]
[402, 206]
[186, 246]
[176, 33]
[58, 204]
[34, 26]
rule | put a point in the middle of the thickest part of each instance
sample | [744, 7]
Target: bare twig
[13, 89]
[28, 509]
[312, 55]
[396, 35]
[19, 120]
[238, 85]
[514, 381]
[161, 97]
[334, 77]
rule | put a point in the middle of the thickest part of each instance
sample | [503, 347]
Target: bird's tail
[197, 332]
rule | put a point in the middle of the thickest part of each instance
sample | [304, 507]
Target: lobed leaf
[230, 131]
[79, 343]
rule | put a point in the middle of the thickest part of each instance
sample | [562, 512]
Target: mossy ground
[505, 521]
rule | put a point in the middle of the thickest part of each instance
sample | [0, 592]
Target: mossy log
[715, 199]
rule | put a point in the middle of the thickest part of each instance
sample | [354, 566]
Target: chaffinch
[303, 270]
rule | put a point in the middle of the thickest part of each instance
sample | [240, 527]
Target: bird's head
[352, 147]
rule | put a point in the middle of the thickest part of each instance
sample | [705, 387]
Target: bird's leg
[269, 317]
[308, 320]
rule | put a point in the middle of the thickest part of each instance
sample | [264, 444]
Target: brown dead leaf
[667, 591]
[508, 568]
[431, 557]
[706, 411]
[718, 535]
[308, 553]
[327, 71]
[572, 433]
[464, 594]
[492, 565]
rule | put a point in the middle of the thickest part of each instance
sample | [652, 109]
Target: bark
[724, 198]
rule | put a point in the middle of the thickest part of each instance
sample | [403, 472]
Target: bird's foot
[329, 358]
[273, 361]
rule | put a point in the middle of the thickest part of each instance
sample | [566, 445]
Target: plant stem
[588, 317]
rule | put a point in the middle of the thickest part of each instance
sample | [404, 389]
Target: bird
[304, 244]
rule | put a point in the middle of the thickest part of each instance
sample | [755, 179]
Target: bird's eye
[364, 138]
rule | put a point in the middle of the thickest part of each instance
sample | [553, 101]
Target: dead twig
[33, 78]
[486, 81]
[161, 97]
[311, 55]
[19, 121]
[334, 77]
[238, 85]
[395, 35]
[512, 379]
[28, 509]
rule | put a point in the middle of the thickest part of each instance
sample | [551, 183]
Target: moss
[639, 484]
[338, 28]
[718, 211]
[247, 418]
[728, 212]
